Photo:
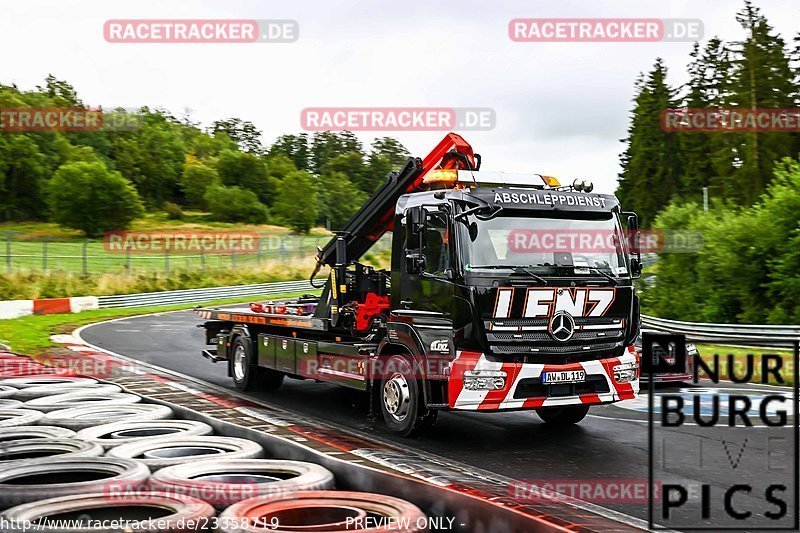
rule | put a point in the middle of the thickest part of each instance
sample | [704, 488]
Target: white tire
[34, 432]
[78, 418]
[43, 450]
[168, 452]
[32, 393]
[49, 381]
[81, 399]
[19, 417]
[119, 433]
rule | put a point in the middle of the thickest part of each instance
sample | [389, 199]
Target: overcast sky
[561, 108]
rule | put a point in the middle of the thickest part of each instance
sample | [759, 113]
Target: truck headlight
[484, 379]
[625, 372]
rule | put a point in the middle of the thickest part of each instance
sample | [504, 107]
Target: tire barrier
[19, 417]
[34, 432]
[119, 433]
[30, 481]
[31, 393]
[223, 483]
[81, 399]
[9, 403]
[14, 451]
[23, 382]
[169, 452]
[7, 391]
[134, 511]
[78, 418]
[322, 511]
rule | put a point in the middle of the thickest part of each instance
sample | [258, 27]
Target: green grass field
[738, 356]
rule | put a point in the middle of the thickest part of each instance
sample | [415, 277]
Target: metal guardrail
[744, 334]
[203, 295]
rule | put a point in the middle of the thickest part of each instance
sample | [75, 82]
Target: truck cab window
[436, 245]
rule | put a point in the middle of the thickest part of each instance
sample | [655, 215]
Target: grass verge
[737, 356]
[30, 335]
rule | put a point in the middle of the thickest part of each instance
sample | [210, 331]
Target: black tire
[126, 510]
[30, 481]
[83, 417]
[246, 374]
[119, 433]
[223, 483]
[34, 432]
[401, 401]
[19, 417]
[169, 452]
[81, 399]
[565, 415]
[43, 450]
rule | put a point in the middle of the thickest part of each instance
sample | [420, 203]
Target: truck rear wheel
[246, 373]
[566, 415]
[401, 400]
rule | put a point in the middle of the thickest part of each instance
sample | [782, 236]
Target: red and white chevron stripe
[491, 400]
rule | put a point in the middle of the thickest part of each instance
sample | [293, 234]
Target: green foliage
[747, 270]
[242, 132]
[234, 204]
[90, 198]
[197, 177]
[173, 211]
[341, 198]
[245, 170]
[296, 203]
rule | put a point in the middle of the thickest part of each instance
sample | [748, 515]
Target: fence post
[166, 259]
[128, 265]
[85, 257]
[203, 259]
[283, 249]
[44, 255]
[9, 267]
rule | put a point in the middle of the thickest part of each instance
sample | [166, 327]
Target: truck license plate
[565, 376]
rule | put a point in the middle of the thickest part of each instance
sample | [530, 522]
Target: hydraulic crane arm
[376, 217]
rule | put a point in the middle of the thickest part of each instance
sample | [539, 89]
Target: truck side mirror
[636, 255]
[416, 219]
[415, 262]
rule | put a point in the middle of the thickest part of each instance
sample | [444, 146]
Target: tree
[391, 149]
[326, 145]
[90, 198]
[352, 166]
[248, 171]
[295, 147]
[296, 202]
[243, 132]
[340, 198]
[196, 179]
[651, 164]
[234, 204]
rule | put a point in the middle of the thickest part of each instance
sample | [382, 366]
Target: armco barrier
[744, 334]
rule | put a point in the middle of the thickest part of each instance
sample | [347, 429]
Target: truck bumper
[523, 388]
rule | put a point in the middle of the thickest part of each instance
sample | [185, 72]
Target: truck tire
[223, 483]
[168, 452]
[565, 415]
[247, 375]
[19, 417]
[119, 433]
[31, 393]
[81, 399]
[401, 401]
[326, 510]
[83, 417]
[29, 481]
[123, 509]
[34, 432]
[42, 450]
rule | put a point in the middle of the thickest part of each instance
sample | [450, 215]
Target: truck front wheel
[247, 375]
[566, 415]
[401, 402]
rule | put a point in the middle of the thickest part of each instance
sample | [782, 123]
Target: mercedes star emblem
[562, 326]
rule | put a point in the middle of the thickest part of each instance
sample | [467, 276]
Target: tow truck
[478, 312]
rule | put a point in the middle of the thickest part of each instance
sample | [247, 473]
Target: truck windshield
[544, 245]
